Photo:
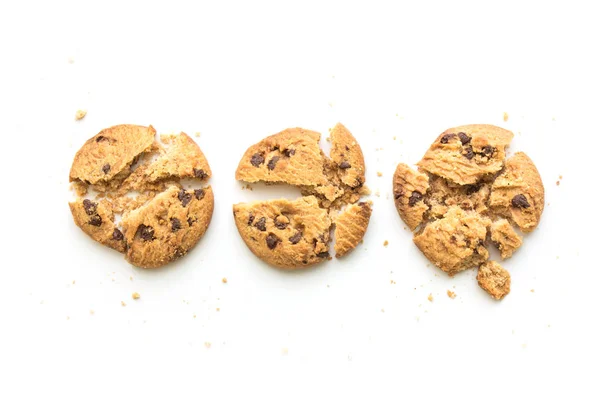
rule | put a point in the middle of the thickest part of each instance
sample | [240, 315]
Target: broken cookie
[138, 179]
[296, 234]
[465, 195]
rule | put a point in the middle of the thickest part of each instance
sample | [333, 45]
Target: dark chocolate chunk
[250, 219]
[190, 221]
[175, 224]
[106, 168]
[272, 163]
[289, 152]
[323, 254]
[200, 174]
[257, 159]
[296, 238]
[344, 165]
[469, 154]
[146, 232]
[261, 225]
[488, 150]
[89, 207]
[464, 138]
[347, 148]
[280, 224]
[272, 241]
[95, 220]
[184, 197]
[414, 198]
[101, 138]
[199, 193]
[179, 252]
[472, 189]
[117, 235]
[447, 137]
[520, 201]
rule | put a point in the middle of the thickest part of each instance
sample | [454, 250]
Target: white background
[236, 72]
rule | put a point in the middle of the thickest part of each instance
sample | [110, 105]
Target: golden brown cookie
[294, 157]
[350, 227]
[518, 193]
[455, 242]
[168, 226]
[410, 187]
[160, 220]
[466, 154]
[494, 279]
[284, 233]
[505, 238]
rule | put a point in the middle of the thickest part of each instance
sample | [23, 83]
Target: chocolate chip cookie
[296, 234]
[465, 195]
[137, 178]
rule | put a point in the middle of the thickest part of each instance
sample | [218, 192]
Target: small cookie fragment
[80, 114]
[505, 238]
[494, 279]
[409, 188]
[455, 242]
[135, 295]
[451, 294]
[350, 227]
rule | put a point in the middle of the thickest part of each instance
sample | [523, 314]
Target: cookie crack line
[141, 178]
[330, 186]
[466, 195]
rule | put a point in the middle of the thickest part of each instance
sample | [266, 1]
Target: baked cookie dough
[296, 234]
[465, 196]
[138, 179]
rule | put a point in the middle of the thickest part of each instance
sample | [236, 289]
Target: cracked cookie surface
[294, 157]
[161, 221]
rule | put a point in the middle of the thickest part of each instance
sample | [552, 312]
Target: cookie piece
[444, 194]
[505, 238]
[350, 227]
[466, 154]
[348, 156]
[168, 226]
[410, 188]
[292, 156]
[518, 193]
[110, 153]
[455, 242]
[494, 279]
[181, 159]
[97, 220]
[286, 234]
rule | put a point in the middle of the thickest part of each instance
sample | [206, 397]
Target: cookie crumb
[451, 294]
[197, 134]
[385, 243]
[218, 309]
[284, 351]
[532, 291]
[394, 138]
[379, 173]
[560, 177]
[92, 312]
[68, 318]
[207, 345]
[505, 117]
[248, 187]
[392, 282]
[224, 280]
[123, 303]
[80, 114]
[135, 295]
[430, 297]
[194, 315]
[72, 283]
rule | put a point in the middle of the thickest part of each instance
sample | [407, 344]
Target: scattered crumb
[284, 351]
[560, 177]
[135, 295]
[386, 243]
[557, 183]
[224, 280]
[218, 309]
[451, 294]
[197, 134]
[382, 310]
[394, 137]
[505, 117]
[532, 290]
[72, 283]
[379, 173]
[80, 114]
[393, 282]
[123, 303]
[430, 297]
[194, 315]
[68, 318]
[92, 312]
[207, 345]
[248, 187]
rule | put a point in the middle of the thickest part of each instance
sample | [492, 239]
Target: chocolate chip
[469, 153]
[347, 148]
[257, 159]
[452, 239]
[414, 198]
[106, 168]
[472, 189]
[96, 220]
[464, 138]
[101, 139]
[289, 152]
[190, 221]
[272, 241]
[199, 193]
[468, 242]
[261, 225]
[344, 165]
[146, 232]
[200, 174]
[272, 163]
[175, 224]
[488, 150]
[250, 219]
[184, 197]
[520, 201]
[89, 207]
[296, 238]
[323, 254]
[447, 137]
[179, 252]
[117, 235]
[280, 223]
